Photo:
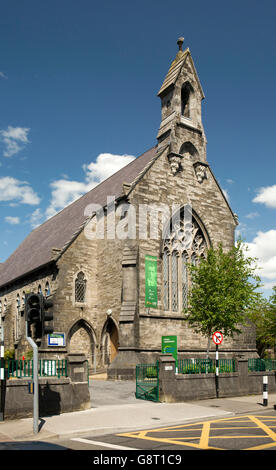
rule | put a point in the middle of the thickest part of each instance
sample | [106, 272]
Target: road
[243, 432]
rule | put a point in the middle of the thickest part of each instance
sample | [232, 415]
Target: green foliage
[224, 286]
[151, 372]
[9, 354]
[263, 315]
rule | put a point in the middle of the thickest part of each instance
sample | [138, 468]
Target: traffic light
[47, 316]
[33, 311]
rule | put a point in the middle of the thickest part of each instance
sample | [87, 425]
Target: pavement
[122, 412]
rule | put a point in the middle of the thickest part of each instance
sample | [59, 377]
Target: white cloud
[263, 247]
[267, 196]
[12, 220]
[252, 215]
[106, 165]
[64, 191]
[36, 218]
[12, 189]
[3, 75]
[14, 139]
[241, 230]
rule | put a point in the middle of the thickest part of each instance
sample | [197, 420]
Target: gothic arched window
[47, 289]
[184, 244]
[80, 287]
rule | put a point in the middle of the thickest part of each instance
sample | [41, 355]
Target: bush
[9, 354]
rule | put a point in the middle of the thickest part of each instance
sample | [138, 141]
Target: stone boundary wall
[56, 395]
[182, 387]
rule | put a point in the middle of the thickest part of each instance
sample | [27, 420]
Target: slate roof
[36, 250]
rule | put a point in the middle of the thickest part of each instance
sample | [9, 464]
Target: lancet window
[80, 287]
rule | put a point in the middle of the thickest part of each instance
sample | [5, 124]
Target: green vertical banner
[151, 281]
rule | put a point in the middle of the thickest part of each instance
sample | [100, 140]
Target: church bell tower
[181, 97]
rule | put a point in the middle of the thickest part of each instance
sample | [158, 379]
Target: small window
[47, 289]
[185, 100]
[80, 287]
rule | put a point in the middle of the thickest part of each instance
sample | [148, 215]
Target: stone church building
[167, 207]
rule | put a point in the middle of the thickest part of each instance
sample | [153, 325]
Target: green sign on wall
[169, 346]
[151, 281]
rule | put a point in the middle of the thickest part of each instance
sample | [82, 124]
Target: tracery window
[184, 244]
[80, 287]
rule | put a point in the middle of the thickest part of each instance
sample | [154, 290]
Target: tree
[263, 315]
[224, 286]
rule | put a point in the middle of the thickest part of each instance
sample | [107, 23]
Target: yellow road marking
[178, 441]
[204, 439]
[271, 434]
[204, 429]
[262, 447]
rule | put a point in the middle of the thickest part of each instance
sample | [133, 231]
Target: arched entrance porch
[82, 339]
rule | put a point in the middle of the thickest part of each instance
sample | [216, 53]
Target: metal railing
[205, 366]
[46, 368]
[258, 364]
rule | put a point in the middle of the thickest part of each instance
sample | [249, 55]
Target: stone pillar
[166, 377]
[242, 369]
[77, 367]
[124, 365]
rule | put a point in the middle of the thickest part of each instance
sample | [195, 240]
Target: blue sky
[79, 79]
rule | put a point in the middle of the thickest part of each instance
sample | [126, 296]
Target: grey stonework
[113, 318]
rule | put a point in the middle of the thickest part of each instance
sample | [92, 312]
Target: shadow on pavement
[30, 445]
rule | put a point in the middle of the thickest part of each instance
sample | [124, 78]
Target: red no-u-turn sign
[217, 337]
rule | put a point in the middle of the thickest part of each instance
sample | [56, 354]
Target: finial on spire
[180, 42]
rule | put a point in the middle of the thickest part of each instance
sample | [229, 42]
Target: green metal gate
[147, 381]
